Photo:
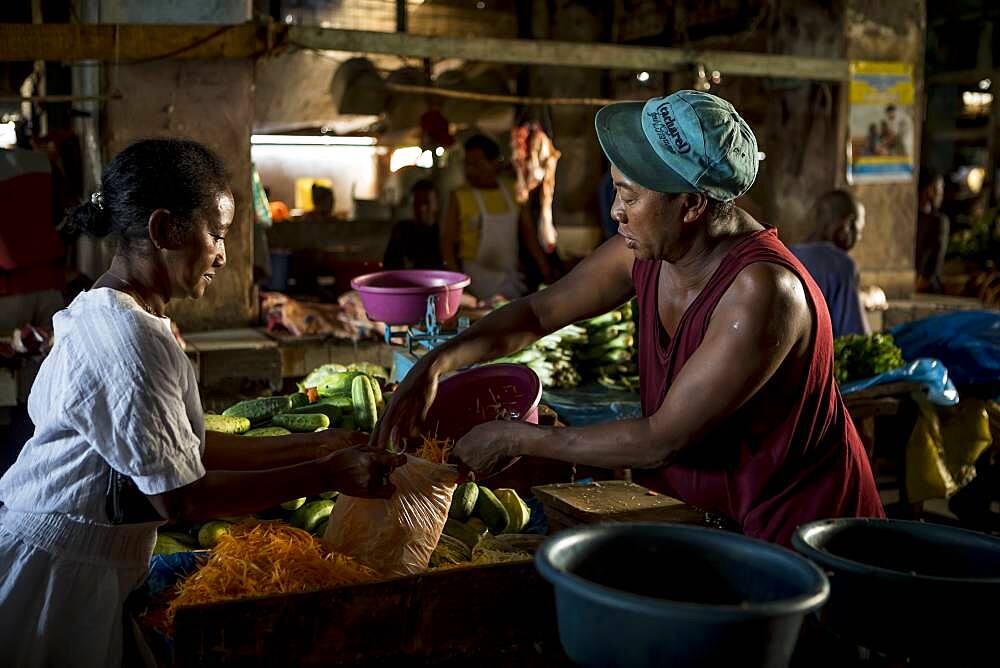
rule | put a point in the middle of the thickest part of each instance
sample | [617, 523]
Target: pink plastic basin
[400, 297]
[476, 396]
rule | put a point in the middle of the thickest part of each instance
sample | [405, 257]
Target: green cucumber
[328, 410]
[259, 410]
[302, 423]
[298, 399]
[463, 501]
[365, 410]
[379, 399]
[226, 424]
[310, 516]
[517, 509]
[341, 401]
[491, 511]
[260, 432]
[294, 504]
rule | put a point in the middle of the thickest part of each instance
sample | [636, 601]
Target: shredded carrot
[266, 558]
[313, 394]
[435, 449]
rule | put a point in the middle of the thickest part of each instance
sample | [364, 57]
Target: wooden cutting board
[570, 504]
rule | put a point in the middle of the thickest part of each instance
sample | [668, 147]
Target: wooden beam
[128, 42]
[569, 54]
[74, 41]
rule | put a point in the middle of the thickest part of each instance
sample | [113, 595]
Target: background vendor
[484, 226]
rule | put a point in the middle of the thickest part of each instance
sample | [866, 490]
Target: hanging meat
[535, 158]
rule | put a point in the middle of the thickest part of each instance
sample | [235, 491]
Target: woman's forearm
[238, 453]
[225, 493]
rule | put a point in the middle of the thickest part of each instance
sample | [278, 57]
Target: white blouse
[116, 390]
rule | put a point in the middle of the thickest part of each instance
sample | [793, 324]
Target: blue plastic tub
[909, 589]
[640, 594]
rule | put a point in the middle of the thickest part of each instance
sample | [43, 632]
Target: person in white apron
[495, 269]
[120, 444]
[481, 236]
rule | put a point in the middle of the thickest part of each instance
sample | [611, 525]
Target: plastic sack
[943, 448]
[396, 536]
[967, 342]
[929, 372]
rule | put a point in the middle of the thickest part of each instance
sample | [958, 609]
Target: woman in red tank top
[741, 412]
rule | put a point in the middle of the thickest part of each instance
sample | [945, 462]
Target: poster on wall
[880, 123]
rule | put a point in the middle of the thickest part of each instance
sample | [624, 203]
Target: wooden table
[497, 615]
[893, 405]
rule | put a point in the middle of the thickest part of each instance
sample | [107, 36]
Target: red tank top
[807, 463]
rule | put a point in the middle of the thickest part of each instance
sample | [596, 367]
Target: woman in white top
[119, 444]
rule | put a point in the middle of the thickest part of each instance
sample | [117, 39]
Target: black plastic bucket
[909, 589]
[671, 595]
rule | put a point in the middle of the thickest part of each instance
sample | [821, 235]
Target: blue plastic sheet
[931, 373]
[593, 404]
[165, 570]
[967, 342]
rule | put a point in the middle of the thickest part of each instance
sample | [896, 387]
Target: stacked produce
[552, 357]
[610, 355]
[601, 349]
[333, 395]
[856, 357]
[484, 527]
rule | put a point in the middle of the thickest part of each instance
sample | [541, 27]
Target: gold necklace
[135, 293]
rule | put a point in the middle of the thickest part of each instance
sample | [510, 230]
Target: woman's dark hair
[490, 149]
[179, 175]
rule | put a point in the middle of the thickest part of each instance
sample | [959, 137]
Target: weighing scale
[418, 299]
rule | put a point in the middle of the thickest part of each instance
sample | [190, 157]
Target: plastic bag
[943, 448]
[967, 342]
[396, 536]
[929, 372]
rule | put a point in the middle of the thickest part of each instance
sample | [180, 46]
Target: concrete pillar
[207, 101]
[889, 31]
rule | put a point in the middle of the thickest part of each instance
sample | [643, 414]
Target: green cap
[685, 142]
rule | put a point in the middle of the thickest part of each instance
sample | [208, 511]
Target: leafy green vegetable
[856, 357]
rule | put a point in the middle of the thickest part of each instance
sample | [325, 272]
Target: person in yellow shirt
[484, 226]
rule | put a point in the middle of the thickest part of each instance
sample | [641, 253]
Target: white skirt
[63, 583]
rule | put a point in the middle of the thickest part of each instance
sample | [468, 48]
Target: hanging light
[406, 156]
[426, 160]
[643, 77]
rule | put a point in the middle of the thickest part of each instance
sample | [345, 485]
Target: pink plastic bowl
[400, 297]
[471, 398]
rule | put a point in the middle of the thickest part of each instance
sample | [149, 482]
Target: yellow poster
[880, 123]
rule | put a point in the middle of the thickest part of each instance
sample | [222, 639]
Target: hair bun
[90, 218]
